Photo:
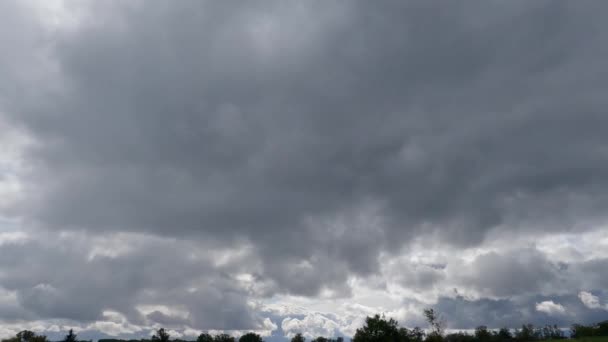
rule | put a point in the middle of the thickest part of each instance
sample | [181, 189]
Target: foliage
[251, 337]
[599, 329]
[298, 338]
[161, 336]
[459, 337]
[204, 337]
[380, 329]
[223, 338]
[70, 337]
[26, 336]
[436, 323]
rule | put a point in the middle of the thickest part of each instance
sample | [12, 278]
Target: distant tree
[459, 337]
[482, 334]
[379, 329]
[223, 338]
[298, 338]
[161, 335]
[251, 337]
[320, 339]
[204, 337]
[25, 336]
[551, 332]
[578, 331]
[602, 328]
[504, 334]
[340, 339]
[527, 333]
[70, 337]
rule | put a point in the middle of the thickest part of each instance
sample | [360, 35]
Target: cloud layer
[194, 165]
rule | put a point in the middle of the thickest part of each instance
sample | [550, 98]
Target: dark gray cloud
[315, 136]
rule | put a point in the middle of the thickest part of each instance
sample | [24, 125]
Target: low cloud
[551, 308]
[591, 301]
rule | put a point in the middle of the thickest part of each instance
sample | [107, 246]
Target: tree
[482, 334]
[416, 334]
[223, 338]
[504, 334]
[38, 338]
[25, 336]
[578, 331]
[161, 336]
[435, 322]
[298, 338]
[204, 337]
[379, 329]
[527, 333]
[70, 337]
[251, 337]
[320, 339]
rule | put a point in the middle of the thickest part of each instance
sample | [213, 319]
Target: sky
[293, 166]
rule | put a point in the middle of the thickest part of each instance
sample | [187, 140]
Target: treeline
[379, 329]
[599, 329]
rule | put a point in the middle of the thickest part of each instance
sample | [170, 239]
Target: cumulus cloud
[550, 308]
[591, 301]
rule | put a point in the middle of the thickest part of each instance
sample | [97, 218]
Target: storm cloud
[166, 159]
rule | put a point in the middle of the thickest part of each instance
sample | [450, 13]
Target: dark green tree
[251, 337]
[602, 328]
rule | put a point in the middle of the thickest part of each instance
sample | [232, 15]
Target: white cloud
[591, 301]
[551, 308]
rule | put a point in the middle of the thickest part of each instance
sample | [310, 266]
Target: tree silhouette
[482, 334]
[251, 337]
[161, 335]
[223, 338]
[204, 337]
[25, 336]
[298, 338]
[380, 329]
[70, 337]
[435, 322]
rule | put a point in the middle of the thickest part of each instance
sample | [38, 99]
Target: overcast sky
[293, 166]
